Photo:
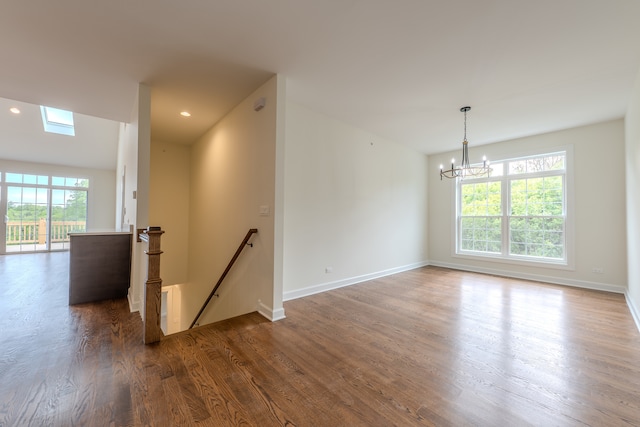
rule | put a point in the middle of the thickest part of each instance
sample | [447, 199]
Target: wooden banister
[153, 287]
[224, 274]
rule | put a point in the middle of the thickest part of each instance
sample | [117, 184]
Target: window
[518, 213]
[19, 178]
[56, 120]
[40, 211]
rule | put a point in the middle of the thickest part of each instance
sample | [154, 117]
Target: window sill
[557, 265]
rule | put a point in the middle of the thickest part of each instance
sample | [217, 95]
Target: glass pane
[494, 247]
[13, 178]
[537, 196]
[467, 245]
[497, 169]
[481, 199]
[519, 197]
[554, 162]
[28, 195]
[480, 246]
[27, 212]
[57, 180]
[535, 165]
[58, 116]
[537, 236]
[518, 248]
[68, 214]
[42, 196]
[517, 167]
[29, 179]
[481, 234]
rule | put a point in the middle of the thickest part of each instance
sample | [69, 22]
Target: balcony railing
[19, 232]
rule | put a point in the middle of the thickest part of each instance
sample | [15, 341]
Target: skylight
[56, 120]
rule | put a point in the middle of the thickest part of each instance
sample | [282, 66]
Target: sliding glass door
[68, 213]
[27, 218]
[41, 210]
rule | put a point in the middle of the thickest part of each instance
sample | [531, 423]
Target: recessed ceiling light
[14, 110]
[185, 114]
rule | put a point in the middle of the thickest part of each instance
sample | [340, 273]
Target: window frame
[567, 263]
[44, 181]
[65, 126]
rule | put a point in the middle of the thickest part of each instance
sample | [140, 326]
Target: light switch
[264, 210]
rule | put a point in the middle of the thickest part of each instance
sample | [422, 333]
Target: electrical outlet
[597, 270]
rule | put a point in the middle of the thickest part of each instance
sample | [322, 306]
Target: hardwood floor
[427, 347]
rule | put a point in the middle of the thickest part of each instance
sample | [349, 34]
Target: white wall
[632, 137]
[232, 175]
[599, 194]
[354, 203]
[144, 156]
[126, 176]
[102, 189]
[133, 176]
[169, 207]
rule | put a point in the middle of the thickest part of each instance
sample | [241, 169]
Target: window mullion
[506, 203]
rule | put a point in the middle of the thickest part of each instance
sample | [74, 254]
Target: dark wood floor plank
[431, 346]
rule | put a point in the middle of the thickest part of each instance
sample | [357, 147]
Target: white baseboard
[536, 277]
[269, 313]
[133, 306]
[323, 287]
[635, 313]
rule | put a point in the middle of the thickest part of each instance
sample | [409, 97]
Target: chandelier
[465, 169]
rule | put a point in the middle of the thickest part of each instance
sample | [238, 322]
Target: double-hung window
[517, 213]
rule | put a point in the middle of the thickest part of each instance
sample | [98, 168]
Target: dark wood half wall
[99, 266]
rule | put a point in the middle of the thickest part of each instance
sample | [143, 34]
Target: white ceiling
[22, 138]
[400, 69]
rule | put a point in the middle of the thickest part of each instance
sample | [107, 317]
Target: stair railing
[244, 243]
[152, 331]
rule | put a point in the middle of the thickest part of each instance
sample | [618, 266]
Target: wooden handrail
[224, 274]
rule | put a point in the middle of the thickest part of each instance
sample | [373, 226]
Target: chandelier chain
[465, 124]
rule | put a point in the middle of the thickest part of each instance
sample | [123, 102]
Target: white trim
[635, 313]
[269, 313]
[133, 306]
[172, 309]
[515, 260]
[536, 277]
[323, 287]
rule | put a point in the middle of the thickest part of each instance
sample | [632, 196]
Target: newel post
[153, 287]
